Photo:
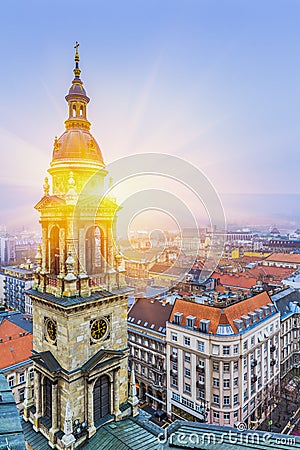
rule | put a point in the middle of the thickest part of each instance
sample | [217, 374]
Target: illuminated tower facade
[79, 296]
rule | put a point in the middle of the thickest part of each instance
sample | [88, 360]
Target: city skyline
[212, 83]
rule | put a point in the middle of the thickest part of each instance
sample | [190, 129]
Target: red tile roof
[236, 280]
[16, 344]
[218, 315]
[291, 258]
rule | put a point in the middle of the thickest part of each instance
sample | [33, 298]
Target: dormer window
[190, 322]
[204, 325]
[177, 318]
[246, 320]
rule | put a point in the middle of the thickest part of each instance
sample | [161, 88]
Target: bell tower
[79, 296]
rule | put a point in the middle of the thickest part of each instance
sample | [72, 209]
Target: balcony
[254, 363]
[173, 373]
[200, 384]
[174, 358]
[272, 348]
[200, 369]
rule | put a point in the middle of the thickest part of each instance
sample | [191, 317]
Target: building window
[215, 382]
[226, 367]
[187, 341]
[226, 350]
[187, 372]
[235, 399]
[174, 381]
[21, 377]
[201, 395]
[150, 374]
[215, 399]
[235, 365]
[252, 340]
[226, 383]
[201, 346]
[216, 415]
[150, 358]
[11, 382]
[216, 366]
[174, 352]
[235, 349]
[174, 367]
[226, 400]
[187, 357]
[175, 397]
[215, 349]
[245, 362]
[143, 370]
[226, 416]
[31, 374]
[21, 395]
[235, 414]
[245, 376]
[245, 345]
[235, 382]
[187, 388]
[174, 337]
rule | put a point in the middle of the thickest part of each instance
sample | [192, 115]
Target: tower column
[91, 426]
[44, 249]
[116, 396]
[38, 399]
[54, 426]
[62, 250]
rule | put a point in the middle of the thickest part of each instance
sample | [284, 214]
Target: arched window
[101, 397]
[47, 398]
[93, 250]
[54, 251]
[81, 111]
[74, 110]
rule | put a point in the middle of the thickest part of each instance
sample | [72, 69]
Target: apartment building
[147, 342]
[223, 360]
[288, 304]
[15, 354]
[17, 280]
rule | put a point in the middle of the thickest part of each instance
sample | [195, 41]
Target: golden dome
[77, 144]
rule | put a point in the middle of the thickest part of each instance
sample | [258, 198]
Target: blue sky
[213, 82]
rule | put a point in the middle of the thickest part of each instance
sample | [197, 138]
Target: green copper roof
[11, 433]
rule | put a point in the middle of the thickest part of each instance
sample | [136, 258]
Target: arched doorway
[143, 391]
[47, 398]
[93, 250]
[101, 397]
[54, 251]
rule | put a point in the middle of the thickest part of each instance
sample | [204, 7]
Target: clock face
[51, 330]
[99, 329]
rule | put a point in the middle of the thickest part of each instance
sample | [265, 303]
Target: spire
[76, 70]
[132, 398]
[77, 99]
[68, 438]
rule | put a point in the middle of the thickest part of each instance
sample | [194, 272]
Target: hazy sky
[214, 82]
